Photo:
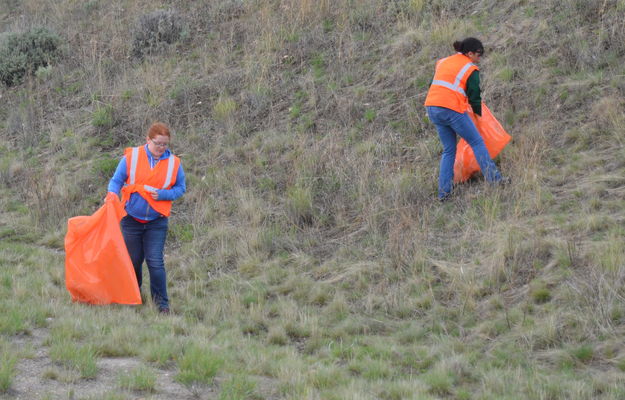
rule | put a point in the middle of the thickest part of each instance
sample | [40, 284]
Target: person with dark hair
[455, 86]
[149, 178]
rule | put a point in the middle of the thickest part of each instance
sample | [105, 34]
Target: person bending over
[455, 86]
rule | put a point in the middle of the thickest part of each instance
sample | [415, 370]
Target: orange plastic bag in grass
[98, 269]
[495, 139]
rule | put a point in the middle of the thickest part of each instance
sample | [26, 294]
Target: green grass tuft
[103, 116]
[198, 365]
[238, 387]
[81, 358]
[584, 353]
[8, 361]
[141, 379]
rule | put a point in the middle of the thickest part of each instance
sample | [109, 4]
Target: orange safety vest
[142, 177]
[450, 82]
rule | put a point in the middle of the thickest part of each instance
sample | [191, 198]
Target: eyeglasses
[159, 144]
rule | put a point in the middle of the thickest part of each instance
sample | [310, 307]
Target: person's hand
[153, 193]
[107, 195]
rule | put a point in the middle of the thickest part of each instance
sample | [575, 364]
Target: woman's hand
[153, 193]
[107, 195]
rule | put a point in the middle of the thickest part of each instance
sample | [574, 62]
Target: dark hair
[469, 44]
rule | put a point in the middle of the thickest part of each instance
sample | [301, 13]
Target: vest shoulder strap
[134, 160]
[171, 165]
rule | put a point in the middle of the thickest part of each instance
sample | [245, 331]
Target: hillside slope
[309, 256]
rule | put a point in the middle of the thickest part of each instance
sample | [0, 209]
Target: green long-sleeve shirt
[474, 93]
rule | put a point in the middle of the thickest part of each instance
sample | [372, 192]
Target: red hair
[158, 129]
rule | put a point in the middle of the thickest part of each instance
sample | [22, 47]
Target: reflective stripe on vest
[456, 85]
[134, 159]
[170, 171]
[171, 163]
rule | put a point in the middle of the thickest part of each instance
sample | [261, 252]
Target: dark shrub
[154, 31]
[23, 53]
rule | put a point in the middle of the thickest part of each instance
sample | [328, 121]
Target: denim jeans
[146, 241]
[449, 123]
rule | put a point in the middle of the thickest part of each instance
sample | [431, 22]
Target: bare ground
[38, 377]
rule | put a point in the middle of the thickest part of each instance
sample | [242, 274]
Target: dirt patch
[38, 377]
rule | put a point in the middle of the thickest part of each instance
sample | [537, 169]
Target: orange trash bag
[98, 269]
[495, 138]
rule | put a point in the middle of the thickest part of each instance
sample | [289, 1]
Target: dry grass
[309, 250]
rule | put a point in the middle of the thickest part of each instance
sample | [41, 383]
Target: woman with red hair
[149, 178]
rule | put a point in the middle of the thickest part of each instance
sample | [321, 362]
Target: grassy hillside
[309, 258]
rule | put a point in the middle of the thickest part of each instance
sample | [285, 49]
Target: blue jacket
[137, 206]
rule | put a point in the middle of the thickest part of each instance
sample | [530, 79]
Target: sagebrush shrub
[156, 30]
[24, 53]
[229, 10]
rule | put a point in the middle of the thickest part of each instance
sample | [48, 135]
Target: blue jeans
[147, 241]
[449, 123]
